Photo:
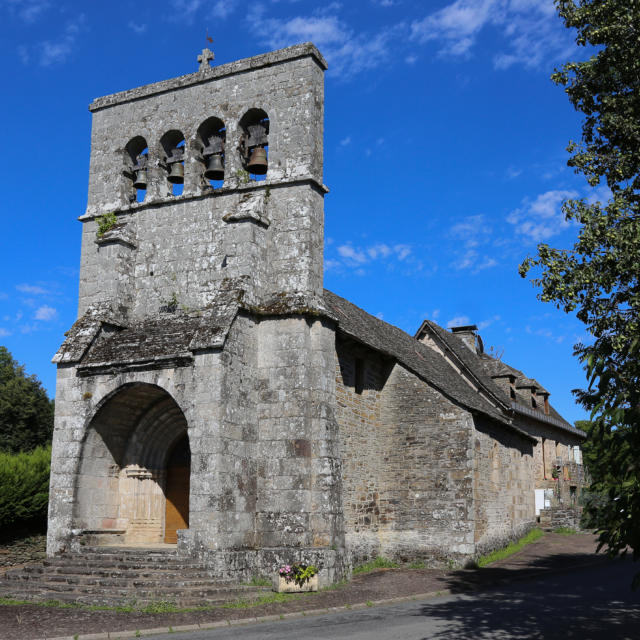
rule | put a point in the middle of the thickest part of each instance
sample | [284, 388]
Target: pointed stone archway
[135, 468]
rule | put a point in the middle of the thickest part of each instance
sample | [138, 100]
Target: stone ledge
[92, 214]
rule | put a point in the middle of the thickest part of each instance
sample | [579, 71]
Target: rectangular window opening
[359, 375]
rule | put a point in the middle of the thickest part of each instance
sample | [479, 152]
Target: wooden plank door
[177, 492]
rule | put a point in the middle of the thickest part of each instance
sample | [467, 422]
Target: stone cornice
[212, 73]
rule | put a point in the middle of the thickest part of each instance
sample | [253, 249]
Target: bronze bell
[140, 180]
[258, 162]
[176, 173]
[215, 168]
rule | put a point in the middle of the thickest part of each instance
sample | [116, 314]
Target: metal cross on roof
[204, 59]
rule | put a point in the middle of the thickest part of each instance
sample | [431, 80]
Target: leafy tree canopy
[26, 413]
[598, 278]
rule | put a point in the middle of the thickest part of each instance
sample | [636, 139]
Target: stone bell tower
[211, 176]
[196, 391]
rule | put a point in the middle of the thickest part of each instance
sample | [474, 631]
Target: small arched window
[172, 144]
[254, 143]
[137, 159]
[211, 138]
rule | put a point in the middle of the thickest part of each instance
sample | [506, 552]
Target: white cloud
[45, 313]
[137, 28]
[356, 258]
[512, 172]
[186, 9]
[51, 52]
[542, 218]
[530, 30]
[345, 141]
[223, 8]
[411, 59]
[347, 52]
[31, 289]
[27, 10]
[455, 25]
[471, 233]
[351, 255]
[4, 333]
[488, 322]
[458, 321]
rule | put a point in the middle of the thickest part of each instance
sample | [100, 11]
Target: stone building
[214, 396]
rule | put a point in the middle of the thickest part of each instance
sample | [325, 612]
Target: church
[213, 398]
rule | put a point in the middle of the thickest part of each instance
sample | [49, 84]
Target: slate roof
[438, 372]
[412, 354]
[97, 340]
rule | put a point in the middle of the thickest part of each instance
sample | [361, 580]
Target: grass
[416, 564]
[377, 563]
[510, 549]
[565, 531]
[258, 581]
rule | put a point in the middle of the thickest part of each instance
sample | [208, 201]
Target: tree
[26, 413]
[598, 278]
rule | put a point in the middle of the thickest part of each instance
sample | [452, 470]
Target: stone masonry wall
[503, 495]
[299, 493]
[366, 509]
[407, 470]
[429, 475]
[556, 445]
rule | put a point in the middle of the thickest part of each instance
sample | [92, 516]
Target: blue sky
[444, 152]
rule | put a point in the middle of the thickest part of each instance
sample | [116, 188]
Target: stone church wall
[503, 495]
[428, 467]
[405, 449]
[366, 507]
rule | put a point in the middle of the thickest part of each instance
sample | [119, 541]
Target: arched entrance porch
[135, 467]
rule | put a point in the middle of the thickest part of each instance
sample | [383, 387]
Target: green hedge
[24, 487]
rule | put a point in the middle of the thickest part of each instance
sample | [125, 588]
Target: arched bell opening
[126, 463]
[173, 147]
[254, 143]
[136, 169]
[211, 140]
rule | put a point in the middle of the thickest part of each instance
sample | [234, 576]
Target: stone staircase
[116, 576]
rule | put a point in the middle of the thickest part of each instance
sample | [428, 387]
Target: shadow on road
[588, 604]
[468, 579]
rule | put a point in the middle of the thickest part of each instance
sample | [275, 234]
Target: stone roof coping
[295, 52]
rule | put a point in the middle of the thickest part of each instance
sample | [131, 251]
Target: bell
[215, 168]
[140, 181]
[176, 173]
[258, 162]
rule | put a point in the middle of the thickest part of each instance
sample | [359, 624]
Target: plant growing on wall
[106, 222]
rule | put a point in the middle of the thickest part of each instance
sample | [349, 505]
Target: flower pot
[282, 586]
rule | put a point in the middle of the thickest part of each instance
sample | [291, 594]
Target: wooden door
[177, 491]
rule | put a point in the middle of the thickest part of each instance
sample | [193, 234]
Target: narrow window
[359, 375]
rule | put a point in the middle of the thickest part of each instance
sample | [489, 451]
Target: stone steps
[118, 576]
[74, 571]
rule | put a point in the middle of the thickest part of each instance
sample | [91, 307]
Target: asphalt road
[588, 604]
